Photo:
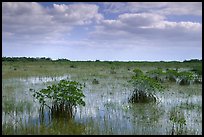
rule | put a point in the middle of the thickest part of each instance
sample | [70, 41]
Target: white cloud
[164, 8]
[131, 27]
[140, 19]
[182, 8]
[31, 21]
[76, 14]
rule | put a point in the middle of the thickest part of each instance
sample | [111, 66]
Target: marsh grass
[57, 127]
[190, 106]
[178, 122]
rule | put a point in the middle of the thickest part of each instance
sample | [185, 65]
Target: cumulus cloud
[30, 20]
[139, 20]
[148, 27]
[76, 14]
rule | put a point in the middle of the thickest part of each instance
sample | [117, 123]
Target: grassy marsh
[107, 109]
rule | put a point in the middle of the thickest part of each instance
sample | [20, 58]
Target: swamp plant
[144, 87]
[64, 97]
[157, 74]
[178, 122]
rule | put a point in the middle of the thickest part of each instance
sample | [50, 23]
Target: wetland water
[107, 110]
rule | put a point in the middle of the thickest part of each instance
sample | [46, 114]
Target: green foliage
[177, 117]
[144, 87]
[185, 77]
[171, 74]
[181, 78]
[64, 93]
[197, 69]
[157, 71]
[138, 72]
[143, 82]
[156, 74]
[178, 120]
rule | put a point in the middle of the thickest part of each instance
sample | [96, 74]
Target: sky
[106, 31]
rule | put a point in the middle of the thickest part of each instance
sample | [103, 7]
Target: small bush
[171, 74]
[185, 78]
[138, 72]
[112, 72]
[157, 74]
[72, 66]
[95, 81]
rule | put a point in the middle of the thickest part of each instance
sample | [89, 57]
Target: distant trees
[25, 59]
[30, 59]
[193, 60]
[97, 60]
[63, 60]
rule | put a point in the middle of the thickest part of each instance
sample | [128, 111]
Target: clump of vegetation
[178, 122]
[144, 88]
[190, 106]
[185, 78]
[64, 97]
[171, 74]
[146, 84]
[137, 72]
[197, 69]
[198, 80]
[72, 66]
[95, 81]
[157, 74]
[112, 71]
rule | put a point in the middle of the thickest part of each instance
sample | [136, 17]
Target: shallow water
[107, 110]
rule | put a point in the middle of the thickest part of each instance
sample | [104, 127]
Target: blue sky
[123, 31]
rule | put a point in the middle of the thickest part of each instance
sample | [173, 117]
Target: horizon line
[101, 60]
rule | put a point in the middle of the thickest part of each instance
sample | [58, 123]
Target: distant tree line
[25, 59]
[64, 59]
[30, 59]
[193, 60]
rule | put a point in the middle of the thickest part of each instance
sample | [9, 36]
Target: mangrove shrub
[64, 96]
[144, 87]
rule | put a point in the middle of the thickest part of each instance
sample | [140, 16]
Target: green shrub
[157, 74]
[185, 77]
[138, 72]
[171, 75]
[144, 88]
[64, 96]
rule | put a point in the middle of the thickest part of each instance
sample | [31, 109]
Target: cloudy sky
[124, 31]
